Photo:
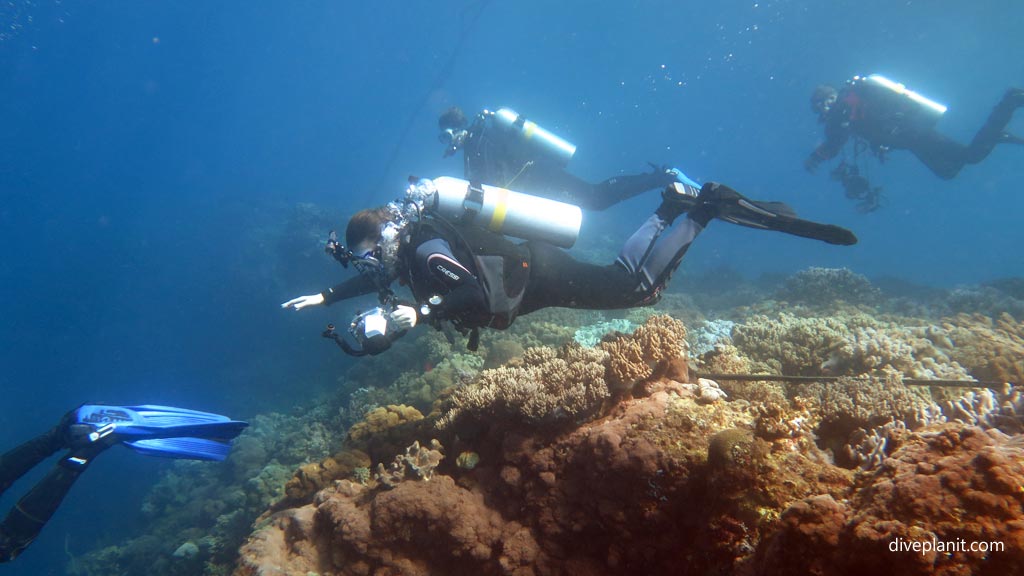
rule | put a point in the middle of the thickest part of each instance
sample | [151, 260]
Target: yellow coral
[379, 420]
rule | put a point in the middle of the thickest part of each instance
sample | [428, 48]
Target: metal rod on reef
[809, 379]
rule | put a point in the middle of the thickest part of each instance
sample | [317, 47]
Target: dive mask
[367, 262]
[452, 140]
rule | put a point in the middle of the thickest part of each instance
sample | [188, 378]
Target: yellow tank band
[528, 129]
[500, 211]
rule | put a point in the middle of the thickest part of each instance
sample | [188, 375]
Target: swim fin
[189, 448]
[163, 430]
[731, 206]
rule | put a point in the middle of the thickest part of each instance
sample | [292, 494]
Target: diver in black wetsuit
[504, 149]
[886, 116]
[463, 274]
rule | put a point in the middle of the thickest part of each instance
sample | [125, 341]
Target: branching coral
[634, 358]
[869, 448]
[848, 344]
[547, 386]
[888, 348]
[788, 344]
[992, 349]
[986, 408]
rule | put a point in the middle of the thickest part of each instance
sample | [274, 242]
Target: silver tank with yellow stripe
[508, 212]
[538, 139]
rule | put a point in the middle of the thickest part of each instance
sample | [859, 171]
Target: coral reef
[633, 358]
[710, 334]
[953, 486]
[788, 344]
[991, 348]
[315, 476]
[851, 344]
[417, 462]
[199, 513]
[617, 460]
[634, 492]
[825, 286]
[590, 336]
[546, 387]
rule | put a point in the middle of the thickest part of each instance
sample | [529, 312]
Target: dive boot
[676, 198]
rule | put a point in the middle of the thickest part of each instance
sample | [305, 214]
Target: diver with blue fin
[448, 241]
[883, 115]
[86, 432]
[505, 149]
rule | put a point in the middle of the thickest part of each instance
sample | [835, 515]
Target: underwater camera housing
[856, 186]
[368, 331]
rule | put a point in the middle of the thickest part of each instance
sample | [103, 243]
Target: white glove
[404, 317]
[303, 301]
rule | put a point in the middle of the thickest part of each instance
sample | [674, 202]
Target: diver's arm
[355, 286]
[837, 132]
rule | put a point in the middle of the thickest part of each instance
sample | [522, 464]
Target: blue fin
[187, 447]
[164, 430]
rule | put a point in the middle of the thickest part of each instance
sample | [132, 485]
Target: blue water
[149, 152]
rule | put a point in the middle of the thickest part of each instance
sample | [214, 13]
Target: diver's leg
[642, 269]
[942, 155]
[24, 522]
[993, 132]
[655, 250]
[17, 461]
[559, 280]
[621, 188]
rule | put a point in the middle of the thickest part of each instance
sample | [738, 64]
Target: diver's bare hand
[303, 301]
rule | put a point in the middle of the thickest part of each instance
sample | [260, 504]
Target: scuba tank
[539, 140]
[928, 111]
[502, 211]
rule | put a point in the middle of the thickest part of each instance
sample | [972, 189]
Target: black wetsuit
[485, 280]
[498, 158]
[29, 515]
[886, 120]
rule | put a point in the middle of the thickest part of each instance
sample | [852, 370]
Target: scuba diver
[504, 149]
[87, 431]
[882, 115]
[447, 242]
